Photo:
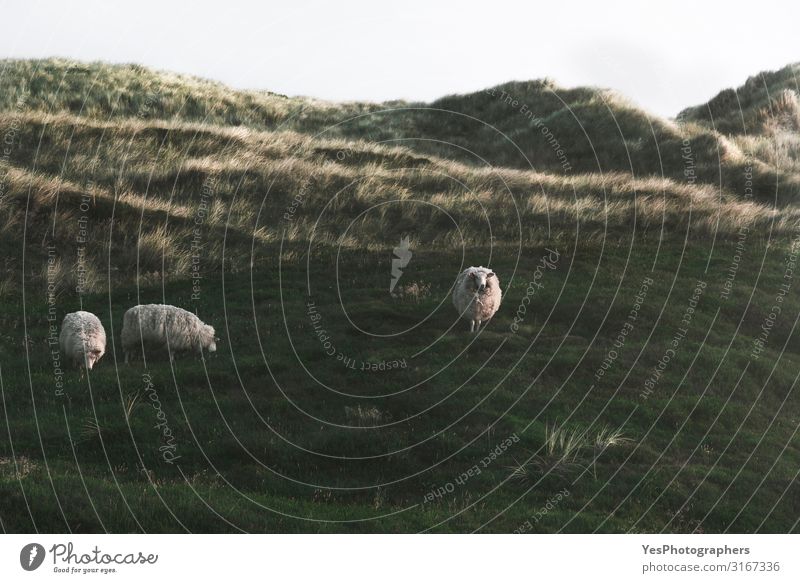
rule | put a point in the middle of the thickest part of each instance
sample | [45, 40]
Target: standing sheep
[477, 295]
[82, 339]
[167, 327]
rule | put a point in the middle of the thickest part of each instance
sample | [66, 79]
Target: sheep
[477, 296]
[82, 339]
[167, 327]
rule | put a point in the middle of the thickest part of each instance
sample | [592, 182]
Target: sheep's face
[92, 357]
[211, 339]
[482, 281]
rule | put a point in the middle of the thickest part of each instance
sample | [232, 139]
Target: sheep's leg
[472, 325]
[478, 327]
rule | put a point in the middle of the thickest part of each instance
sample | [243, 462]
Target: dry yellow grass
[147, 185]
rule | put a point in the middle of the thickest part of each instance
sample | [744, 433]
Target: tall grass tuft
[567, 451]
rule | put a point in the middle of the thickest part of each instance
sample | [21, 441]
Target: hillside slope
[641, 371]
[766, 103]
[762, 119]
[526, 125]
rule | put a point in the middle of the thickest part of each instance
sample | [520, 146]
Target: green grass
[473, 433]
[261, 443]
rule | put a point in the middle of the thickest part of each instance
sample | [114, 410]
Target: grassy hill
[638, 376]
[762, 118]
[766, 103]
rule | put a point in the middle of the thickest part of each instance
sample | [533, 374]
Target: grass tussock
[567, 451]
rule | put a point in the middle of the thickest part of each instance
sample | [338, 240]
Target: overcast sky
[664, 56]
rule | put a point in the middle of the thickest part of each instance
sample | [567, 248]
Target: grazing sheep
[167, 327]
[82, 339]
[477, 295]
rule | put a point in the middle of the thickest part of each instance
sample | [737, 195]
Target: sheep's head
[92, 357]
[210, 340]
[482, 280]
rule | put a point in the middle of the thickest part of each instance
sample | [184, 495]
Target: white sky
[664, 56]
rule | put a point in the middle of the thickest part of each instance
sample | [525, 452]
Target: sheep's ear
[490, 274]
[472, 274]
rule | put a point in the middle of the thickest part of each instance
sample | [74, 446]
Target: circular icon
[31, 556]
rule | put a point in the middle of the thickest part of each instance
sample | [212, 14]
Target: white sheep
[82, 339]
[477, 296]
[164, 326]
